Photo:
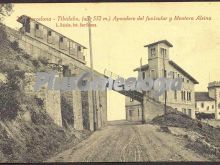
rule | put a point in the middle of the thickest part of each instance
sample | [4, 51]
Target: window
[178, 75]
[143, 75]
[129, 112]
[195, 105]
[189, 112]
[49, 33]
[187, 81]
[202, 105]
[37, 26]
[212, 106]
[207, 108]
[219, 106]
[183, 95]
[184, 110]
[153, 75]
[131, 100]
[138, 112]
[163, 52]
[188, 96]
[164, 73]
[79, 48]
[61, 39]
[183, 79]
[152, 51]
[67, 72]
[173, 75]
[175, 94]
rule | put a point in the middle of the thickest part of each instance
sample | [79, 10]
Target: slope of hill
[27, 133]
[203, 138]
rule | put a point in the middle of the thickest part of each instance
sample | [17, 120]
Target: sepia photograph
[110, 82]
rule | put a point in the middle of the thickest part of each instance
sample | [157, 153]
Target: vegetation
[11, 95]
[5, 10]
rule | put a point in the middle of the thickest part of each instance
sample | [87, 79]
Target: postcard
[109, 82]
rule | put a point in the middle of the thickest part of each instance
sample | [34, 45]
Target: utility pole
[92, 71]
[165, 98]
[142, 103]
[209, 76]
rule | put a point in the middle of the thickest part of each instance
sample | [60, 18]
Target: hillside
[203, 138]
[27, 133]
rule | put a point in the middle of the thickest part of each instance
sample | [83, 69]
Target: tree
[5, 10]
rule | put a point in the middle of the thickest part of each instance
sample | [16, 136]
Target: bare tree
[5, 10]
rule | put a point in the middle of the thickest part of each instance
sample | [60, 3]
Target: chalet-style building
[158, 57]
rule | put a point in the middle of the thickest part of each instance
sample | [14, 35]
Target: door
[189, 112]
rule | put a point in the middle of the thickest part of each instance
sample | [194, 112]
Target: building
[77, 109]
[55, 40]
[209, 102]
[133, 109]
[158, 57]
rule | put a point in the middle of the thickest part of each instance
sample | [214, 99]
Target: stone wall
[50, 99]
[67, 109]
[153, 108]
[85, 109]
[77, 110]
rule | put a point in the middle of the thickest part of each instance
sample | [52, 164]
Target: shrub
[35, 63]
[3, 34]
[39, 101]
[15, 46]
[11, 95]
[43, 60]
[9, 102]
[15, 78]
[26, 56]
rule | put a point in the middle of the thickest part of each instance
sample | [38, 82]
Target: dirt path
[126, 142]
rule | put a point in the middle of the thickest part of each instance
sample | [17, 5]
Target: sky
[118, 46]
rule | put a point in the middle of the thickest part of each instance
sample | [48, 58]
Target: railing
[112, 75]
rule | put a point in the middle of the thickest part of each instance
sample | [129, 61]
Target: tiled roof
[203, 96]
[143, 68]
[158, 42]
[177, 67]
